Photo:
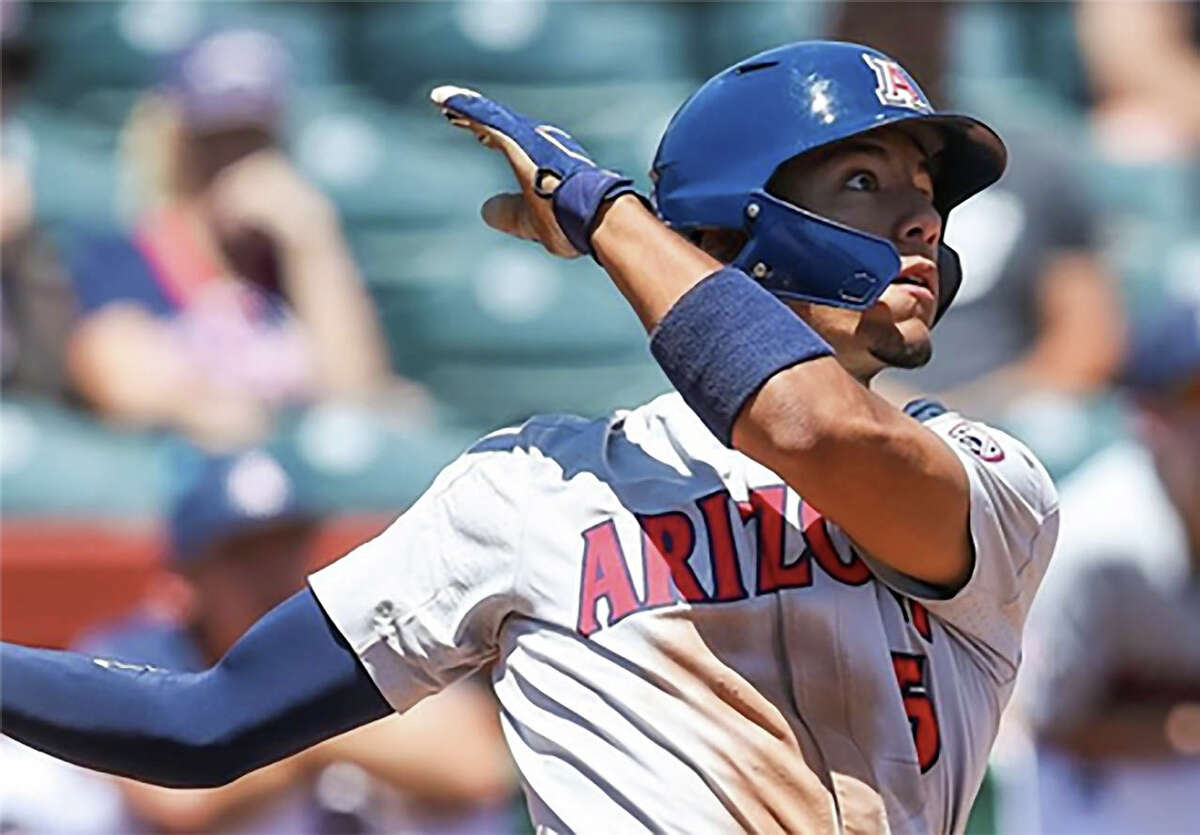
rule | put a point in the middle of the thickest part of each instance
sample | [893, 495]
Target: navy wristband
[723, 339]
[578, 199]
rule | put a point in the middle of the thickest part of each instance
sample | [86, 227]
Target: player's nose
[919, 227]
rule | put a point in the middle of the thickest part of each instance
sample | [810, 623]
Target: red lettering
[920, 619]
[667, 542]
[853, 573]
[767, 505]
[605, 575]
[900, 86]
[910, 675]
[726, 573]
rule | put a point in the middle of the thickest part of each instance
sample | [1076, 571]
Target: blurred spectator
[1113, 680]
[37, 304]
[240, 543]
[235, 293]
[1143, 65]
[1037, 314]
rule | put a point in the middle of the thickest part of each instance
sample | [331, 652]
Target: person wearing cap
[240, 542]
[234, 292]
[1113, 684]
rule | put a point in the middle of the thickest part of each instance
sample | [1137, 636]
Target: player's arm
[895, 487]
[288, 683]
[757, 375]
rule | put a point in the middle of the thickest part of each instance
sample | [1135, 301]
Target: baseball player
[767, 601]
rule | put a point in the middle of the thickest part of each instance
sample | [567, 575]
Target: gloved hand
[562, 190]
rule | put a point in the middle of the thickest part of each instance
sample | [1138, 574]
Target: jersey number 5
[910, 674]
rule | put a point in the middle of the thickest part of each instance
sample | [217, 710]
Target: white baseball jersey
[679, 643]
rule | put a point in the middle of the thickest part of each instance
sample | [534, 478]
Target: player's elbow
[788, 420]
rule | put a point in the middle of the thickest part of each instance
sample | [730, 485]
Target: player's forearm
[287, 684]
[651, 265]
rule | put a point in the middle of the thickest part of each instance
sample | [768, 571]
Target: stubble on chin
[893, 350]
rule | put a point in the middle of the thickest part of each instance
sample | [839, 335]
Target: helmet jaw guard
[726, 141]
[799, 255]
[796, 254]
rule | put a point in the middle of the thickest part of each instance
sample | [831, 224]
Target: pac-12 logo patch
[894, 86]
[979, 443]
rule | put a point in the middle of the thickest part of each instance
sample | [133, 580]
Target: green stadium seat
[86, 46]
[57, 461]
[1033, 42]
[725, 33]
[74, 167]
[495, 394]
[499, 330]
[470, 292]
[404, 47]
[1153, 214]
[347, 458]
[385, 165]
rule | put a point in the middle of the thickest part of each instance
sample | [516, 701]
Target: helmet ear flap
[796, 254]
[949, 278]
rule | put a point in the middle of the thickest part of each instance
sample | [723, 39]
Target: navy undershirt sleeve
[288, 683]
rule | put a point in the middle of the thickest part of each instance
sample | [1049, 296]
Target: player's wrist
[723, 339]
[581, 200]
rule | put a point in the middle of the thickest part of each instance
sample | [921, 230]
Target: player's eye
[862, 181]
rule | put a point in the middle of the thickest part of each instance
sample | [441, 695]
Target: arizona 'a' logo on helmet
[894, 86]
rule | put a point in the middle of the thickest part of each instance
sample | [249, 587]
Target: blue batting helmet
[723, 145]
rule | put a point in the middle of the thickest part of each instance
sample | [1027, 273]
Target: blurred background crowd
[249, 310]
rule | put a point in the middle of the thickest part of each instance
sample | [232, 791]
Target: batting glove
[550, 164]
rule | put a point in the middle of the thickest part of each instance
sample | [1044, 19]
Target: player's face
[880, 182]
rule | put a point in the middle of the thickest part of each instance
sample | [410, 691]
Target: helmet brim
[971, 158]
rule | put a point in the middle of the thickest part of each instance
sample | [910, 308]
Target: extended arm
[288, 683]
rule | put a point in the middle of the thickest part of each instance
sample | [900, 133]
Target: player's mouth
[918, 278]
[919, 271]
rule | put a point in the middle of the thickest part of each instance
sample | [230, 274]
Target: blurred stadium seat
[1031, 44]
[725, 33]
[499, 331]
[86, 46]
[72, 163]
[56, 461]
[403, 47]
[384, 165]
[1153, 213]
